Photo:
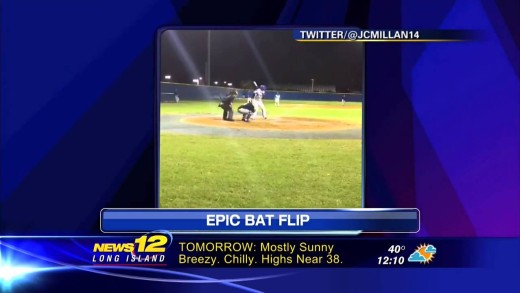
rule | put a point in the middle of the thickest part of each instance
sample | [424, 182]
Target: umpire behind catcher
[227, 105]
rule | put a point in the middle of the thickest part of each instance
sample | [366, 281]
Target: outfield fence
[200, 92]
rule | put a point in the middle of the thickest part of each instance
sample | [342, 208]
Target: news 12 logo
[147, 248]
[144, 244]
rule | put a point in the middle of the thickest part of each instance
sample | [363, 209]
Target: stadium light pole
[312, 84]
[209, 59]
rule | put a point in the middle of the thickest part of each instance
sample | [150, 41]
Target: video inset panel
[256, 119]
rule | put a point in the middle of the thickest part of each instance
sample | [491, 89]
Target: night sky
[267, 57]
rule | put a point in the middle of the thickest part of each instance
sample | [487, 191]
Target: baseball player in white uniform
[258, 103]
[277, 99]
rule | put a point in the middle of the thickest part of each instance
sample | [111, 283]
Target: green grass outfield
[217, 172]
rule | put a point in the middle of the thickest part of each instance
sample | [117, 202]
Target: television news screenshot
[259, 146]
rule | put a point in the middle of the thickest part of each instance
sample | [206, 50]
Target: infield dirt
[277, 123]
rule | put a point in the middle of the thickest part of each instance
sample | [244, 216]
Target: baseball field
[305, 155]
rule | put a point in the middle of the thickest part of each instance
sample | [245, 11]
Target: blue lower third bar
[305, 221]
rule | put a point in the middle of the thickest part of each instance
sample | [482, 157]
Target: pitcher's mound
[275, 123]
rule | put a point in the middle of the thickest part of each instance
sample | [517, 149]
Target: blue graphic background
[469, 264]
[442, 126]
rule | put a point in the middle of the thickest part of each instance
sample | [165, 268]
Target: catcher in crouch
[247, 110]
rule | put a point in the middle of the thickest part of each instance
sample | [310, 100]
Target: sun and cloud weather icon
[423, 254]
